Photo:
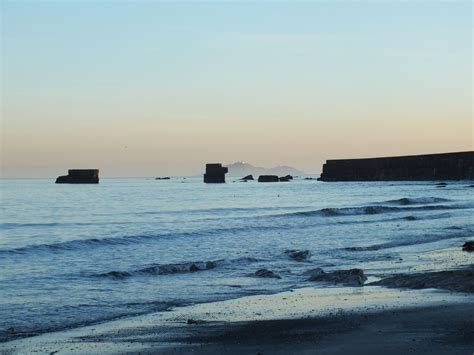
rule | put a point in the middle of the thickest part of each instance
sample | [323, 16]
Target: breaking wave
[178, 268]
[415, 240]
[369, 210]
[86, 243]
[417, 201]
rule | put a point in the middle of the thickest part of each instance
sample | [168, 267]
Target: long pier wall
[446, 166]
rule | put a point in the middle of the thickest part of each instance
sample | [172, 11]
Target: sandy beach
[330, 320]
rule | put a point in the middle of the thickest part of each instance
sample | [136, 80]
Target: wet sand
[332, 320]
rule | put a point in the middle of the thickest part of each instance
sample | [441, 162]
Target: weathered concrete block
[79, 176]
[215, 174]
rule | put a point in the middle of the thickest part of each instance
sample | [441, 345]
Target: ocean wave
[197, 211]
[414, 240]
[86, 243]
[19, 225]
[95, 315]
[80, 243]
[417, 201]
[55, 224]
[177, 268]
[165, 269]
[367, 210]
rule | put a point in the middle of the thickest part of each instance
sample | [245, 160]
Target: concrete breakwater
[79, 176]
[446, 166]
[215, 173]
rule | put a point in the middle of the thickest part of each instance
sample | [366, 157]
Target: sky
[154, 88]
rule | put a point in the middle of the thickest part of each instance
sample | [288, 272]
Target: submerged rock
[247, 178]
[352, 277]
[268, 178]
[453, 280]
[410, 218]
[286, 178]
[11, 330]
[266, 273]
[166, 269]
[163, 178]
[194, 267]
[298, 255]
[193, 321]
[211, 264]
[118, 274]
[468, 246]
[314, 272]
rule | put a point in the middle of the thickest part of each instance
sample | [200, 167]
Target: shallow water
[78, 254]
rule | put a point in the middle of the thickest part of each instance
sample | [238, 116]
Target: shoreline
[291, 321]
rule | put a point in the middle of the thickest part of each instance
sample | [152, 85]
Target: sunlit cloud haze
[160, 88]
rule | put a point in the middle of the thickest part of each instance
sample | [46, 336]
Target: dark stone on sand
[268, 178]
[247, 178]
[215, 174]
[468, 246]
[352, 277]
[163, 178]
[447, 166]
[298, 255]
[453, 280]
[286, 178]
[266, 274]
[79, 176]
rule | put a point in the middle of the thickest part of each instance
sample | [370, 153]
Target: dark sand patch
[445, 329]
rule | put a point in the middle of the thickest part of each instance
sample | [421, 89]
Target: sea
[74, 255]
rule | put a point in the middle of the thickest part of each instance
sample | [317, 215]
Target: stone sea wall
[446, 166]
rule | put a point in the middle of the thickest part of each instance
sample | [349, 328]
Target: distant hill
[242, 169]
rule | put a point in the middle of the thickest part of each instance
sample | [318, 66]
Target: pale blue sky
[182, 83]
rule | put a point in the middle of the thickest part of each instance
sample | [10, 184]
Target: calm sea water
[78, 254]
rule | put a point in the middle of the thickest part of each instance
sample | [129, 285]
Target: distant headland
[243, 169]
